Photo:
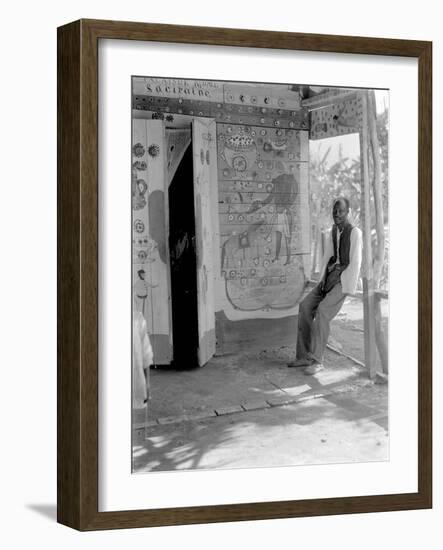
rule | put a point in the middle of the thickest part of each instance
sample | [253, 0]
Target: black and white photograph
[260, 274]
[218, 275]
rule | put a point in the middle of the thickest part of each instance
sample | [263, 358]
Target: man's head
[141, 274]
[340, 211]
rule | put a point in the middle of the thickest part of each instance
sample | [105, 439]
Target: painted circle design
[153, 150]
[239, 163]
[138, 150]
[140, 165]
[139, 226]
[142, 186]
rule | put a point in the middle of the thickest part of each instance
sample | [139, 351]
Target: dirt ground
[347, 328]
[250, 409]
[343, 428]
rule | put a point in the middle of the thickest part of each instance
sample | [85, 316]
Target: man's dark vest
[345, 244]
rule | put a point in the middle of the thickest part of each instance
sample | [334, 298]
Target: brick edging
[256, 405]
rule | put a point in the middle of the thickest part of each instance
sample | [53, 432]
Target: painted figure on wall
[283, 195]
[141, 292]
[260, 222]
[281, 221]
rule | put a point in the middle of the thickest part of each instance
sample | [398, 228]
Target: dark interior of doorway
[183, 265]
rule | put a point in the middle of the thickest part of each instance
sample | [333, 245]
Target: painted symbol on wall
[141, 242]
[138, 150]
[140, 165]
[239, 163]
[142, 256]
[139, 190]
[244, 240]
[139, 226]
[239, 151]
[153, 150]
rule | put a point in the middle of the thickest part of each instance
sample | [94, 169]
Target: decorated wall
[336, 118]
[263, 213]
[261, 238]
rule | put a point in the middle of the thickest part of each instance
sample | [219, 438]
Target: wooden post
[377, 189]
[380, 336]
[368, 280]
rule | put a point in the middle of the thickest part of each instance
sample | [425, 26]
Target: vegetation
[342, 177]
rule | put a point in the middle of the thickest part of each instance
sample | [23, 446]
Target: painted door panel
[150, 222]
[204, 155]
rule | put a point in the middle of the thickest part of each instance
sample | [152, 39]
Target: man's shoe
[303, 362]
[314, 368]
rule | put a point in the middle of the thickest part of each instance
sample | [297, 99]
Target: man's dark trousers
[316, 311]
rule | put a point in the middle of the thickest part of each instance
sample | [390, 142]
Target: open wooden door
[204, 155]
[150, 231]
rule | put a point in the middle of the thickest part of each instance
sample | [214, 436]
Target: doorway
[183, 264]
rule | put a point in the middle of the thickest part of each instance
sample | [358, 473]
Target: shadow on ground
[350, 425]
[346, 427]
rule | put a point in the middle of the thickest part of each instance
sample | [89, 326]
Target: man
[338, 278]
